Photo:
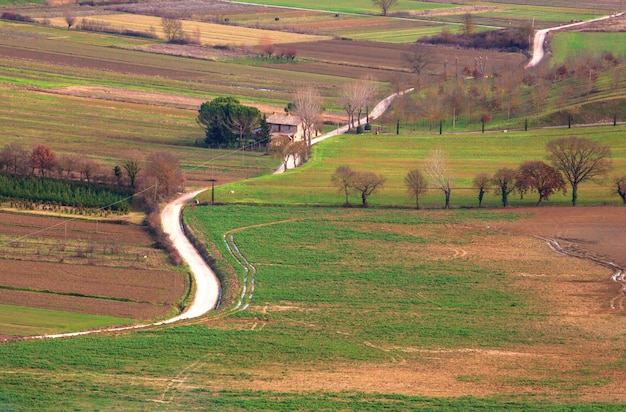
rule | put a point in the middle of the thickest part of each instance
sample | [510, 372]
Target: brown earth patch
[14, 224]
[92, 306]
[142, 97]
[153, 286]
[84, 266]
[388, 56]
[596, 231]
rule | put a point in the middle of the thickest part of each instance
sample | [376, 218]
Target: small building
[288, 125]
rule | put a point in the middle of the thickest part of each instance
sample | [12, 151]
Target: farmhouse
[287, 125]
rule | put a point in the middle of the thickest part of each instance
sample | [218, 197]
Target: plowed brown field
[21, 225]
[595, 232]
[52, 263]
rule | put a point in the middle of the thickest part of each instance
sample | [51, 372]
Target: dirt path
[376, 112]
[540, 37]
[205, 282]
[594, 234]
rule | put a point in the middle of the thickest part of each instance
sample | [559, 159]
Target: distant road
[540, 38]
[376, 112]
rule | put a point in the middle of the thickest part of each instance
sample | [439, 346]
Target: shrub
[9, 15]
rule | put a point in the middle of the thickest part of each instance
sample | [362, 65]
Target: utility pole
[212, 190]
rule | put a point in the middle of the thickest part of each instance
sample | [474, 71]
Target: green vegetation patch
[66, 193]
[571, 44]
[40, 321]
[336, 265]
[394, 156]
[355, 6]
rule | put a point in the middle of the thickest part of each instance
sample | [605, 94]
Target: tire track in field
[619, 277]
[249, 281]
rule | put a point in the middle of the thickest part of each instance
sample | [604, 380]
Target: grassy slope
[354, 6]
[576, 43]
[357, 306]
[392, 156]
[36, 321]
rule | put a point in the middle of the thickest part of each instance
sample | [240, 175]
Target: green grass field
[354, 6]
[393, 156]
[338, 289]
[38, 321]
[569, 44]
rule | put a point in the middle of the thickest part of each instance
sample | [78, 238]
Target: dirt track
[595, 234]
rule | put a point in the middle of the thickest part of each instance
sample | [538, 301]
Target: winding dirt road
[376, 112]
[540, 37]
[205, 282]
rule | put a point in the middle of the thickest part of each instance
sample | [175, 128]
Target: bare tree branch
[439, 174]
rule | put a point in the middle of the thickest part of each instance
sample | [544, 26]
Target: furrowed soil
[595, 232]
[100, 268]
[386, 58]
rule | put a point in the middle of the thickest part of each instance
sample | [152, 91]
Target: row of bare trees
[364, 183]
[161, 169]
[468, 92]
[573, 160]
[357, 97]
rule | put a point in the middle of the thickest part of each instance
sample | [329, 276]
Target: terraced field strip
[354, 6]
[210, 33]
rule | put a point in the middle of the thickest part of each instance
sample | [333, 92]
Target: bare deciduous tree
[173, 30]
[620, 182]
[267, 46]
[356, 96]
[580, 160]
[367, 183]
[89, 168]
[70, 18]
[439, 174]
[416, 58]
[308, 107]
[482, 182]
[132, 166]
[384, 5]
[468, 24]
[504, 182]
[42, 158]
[541, 178]
[348, 102]
[163, 173]
[14, 159]
[343, 179]
[416, 184]
[284, 148]
[67, 164]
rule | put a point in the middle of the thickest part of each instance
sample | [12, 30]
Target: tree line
[456, 93]
[573, 161]
[41, 174]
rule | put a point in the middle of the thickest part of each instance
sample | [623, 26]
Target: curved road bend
[376, 112]
[540, 37]
[205, 281]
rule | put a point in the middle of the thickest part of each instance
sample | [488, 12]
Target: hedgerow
[65, 193]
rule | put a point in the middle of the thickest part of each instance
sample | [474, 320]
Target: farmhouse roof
[284, 120]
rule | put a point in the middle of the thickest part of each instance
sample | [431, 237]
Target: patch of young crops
[394, 156]
[35, 321]
[66, 193]
[341, 263]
